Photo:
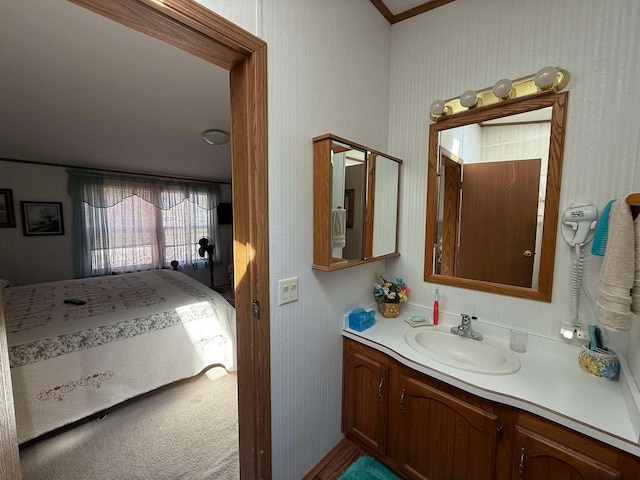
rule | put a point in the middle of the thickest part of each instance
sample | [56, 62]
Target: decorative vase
[389, 310]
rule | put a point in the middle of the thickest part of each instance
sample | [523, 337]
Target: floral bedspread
[133, 333]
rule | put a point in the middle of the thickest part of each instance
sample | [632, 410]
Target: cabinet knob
[380, 396]
[402, 401]
[521, 464]
[528, 253]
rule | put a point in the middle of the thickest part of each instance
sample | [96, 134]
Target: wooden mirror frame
[558, 102]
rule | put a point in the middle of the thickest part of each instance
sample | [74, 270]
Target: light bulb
[545, 77]
[502, 88]
[469, 98]
[437, 108]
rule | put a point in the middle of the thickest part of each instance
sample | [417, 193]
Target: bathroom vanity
[429, 420]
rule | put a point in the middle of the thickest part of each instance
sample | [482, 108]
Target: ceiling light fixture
[503, 88]
[215, 137]
[469, 99]
[546, 79]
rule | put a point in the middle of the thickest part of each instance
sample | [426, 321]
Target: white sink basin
[484, 356]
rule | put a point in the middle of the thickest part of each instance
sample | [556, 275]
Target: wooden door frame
[196, 30]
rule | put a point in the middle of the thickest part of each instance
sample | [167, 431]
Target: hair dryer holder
[579, 223]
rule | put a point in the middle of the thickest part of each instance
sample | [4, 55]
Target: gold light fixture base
[522, 87]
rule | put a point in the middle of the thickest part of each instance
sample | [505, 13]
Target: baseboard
[324, 463]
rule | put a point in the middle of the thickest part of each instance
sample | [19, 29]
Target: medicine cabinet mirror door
[384, 206]
[348, 198]
[356, 191]
[492, 200]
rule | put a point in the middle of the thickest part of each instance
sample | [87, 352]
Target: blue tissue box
[360, 319]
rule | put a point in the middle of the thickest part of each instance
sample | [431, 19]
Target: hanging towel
[613, 307]
[635, 293]
[338, 227]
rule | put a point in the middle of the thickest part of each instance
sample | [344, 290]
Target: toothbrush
[593, 342]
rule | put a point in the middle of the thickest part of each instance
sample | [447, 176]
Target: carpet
[188, 431]
[368, 468]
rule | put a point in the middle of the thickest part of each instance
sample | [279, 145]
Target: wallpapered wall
[468, 44]
[328, 72]
[330, 64]
[27, 260]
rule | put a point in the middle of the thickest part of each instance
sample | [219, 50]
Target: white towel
[338, 228]
[635, 293]
[613, 307]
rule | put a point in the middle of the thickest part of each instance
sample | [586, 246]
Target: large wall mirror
[356, 191]
[492, 197]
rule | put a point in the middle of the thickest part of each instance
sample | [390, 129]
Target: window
[124, 224]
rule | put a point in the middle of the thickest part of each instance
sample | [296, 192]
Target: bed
[135, 333]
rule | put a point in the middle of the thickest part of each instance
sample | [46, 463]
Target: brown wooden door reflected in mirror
[499, 216]
[448, 239]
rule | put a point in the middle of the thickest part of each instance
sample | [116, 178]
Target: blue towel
[602, 232]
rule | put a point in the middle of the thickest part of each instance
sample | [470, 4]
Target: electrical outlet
[287, 290]
[582, 334]
[574, 332]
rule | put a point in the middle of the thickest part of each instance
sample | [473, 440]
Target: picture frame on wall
[42, 218]
[7, 213]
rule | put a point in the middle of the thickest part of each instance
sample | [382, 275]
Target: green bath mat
[368, 468]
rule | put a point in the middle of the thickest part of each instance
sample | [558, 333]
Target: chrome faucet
[465, 330]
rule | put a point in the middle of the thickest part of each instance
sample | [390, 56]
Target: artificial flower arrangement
[389, 292]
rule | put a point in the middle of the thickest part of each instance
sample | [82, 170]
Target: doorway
[196, 30]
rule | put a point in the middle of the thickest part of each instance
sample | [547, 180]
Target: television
[225, 214]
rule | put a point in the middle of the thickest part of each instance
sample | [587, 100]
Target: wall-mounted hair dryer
[579, 222]
[578, 228]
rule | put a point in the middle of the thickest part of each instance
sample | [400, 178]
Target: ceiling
[82, 90]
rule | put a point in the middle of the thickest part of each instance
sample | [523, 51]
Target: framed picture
[7, 214]
[42, 218]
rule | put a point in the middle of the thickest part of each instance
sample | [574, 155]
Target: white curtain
[131, 222]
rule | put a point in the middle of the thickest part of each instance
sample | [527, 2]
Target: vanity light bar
[547, 78]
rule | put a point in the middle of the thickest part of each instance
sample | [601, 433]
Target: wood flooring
[334, 463]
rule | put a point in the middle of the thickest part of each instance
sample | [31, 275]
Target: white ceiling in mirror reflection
[353, 158]
[501, 142]
[540, 115]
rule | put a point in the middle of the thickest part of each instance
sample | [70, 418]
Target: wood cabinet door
[440, 437]
[365, 400]
[539, 458]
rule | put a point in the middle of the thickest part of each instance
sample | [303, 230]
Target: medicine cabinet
[356, 192]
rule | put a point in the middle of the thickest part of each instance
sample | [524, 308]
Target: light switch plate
[287, 290]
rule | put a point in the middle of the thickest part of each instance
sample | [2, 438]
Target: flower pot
[389, 310]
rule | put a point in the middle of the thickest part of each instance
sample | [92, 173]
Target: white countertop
[549, 383]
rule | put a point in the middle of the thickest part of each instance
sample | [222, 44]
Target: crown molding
[412, 12]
